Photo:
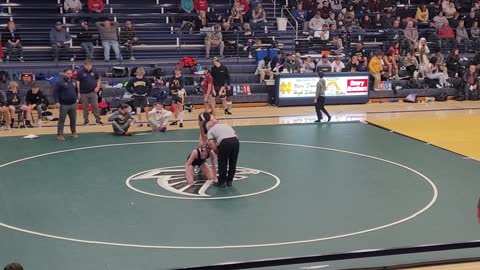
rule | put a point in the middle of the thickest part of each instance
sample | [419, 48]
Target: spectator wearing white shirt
[308, 65]
[337, 65]
[72, 6]
[316, 23]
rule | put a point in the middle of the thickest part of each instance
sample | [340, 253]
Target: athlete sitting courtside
[198, 158]
[158, 118]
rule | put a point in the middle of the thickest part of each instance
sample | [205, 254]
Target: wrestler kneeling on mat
[198, 158]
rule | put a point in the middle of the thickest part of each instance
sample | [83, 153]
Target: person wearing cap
[360, 54]
[214, 38]
[291, 65]
[221, 81]
[320, 98]
[89, 84]
[36, 100]
[223, 140]
[109, 35]
[121, 120]
[85, 37]
[158, 117]
[60, 39]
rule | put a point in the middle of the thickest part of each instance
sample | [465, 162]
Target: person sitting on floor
[158, 118]
[121, 120]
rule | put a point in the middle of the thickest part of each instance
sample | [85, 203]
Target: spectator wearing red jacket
[200, 5]
[446, 34]
[245, 7]
[96, 6]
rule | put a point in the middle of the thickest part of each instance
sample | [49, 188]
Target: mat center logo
[174, 182]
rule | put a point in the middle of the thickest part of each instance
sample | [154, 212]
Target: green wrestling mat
[106, 202]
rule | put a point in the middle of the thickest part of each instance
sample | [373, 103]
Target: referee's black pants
[227, 155]
[320, 107]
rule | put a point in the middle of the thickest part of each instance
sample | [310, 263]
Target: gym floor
[106, 202]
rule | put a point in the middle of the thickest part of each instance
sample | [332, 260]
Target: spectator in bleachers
[337, 65]
[336, 6]
[454, 20]
[360, 54]
[441, 63]
[200, 21]
[316, 23]
[410, 63]
[36, 100]
[298, 59]
[411, 36]
[121, 120]
[96, 6]
[331, 19]
[432, 71]
[129, 38]
[245, 9]
[258, 15]
[291, 65]
[471, 83]
[453, 64]
[11, 39]
[72, 6]
[387, 21]
[449, 10]
[323, 34]
[109, 36]
[353, 65]
[462, 36]
[396, 49]
[214, 38]
[376, 69]
[325, 10]
[422, 14]
[470, 19]
[366, 23]
[377, 21]
[423, 52]
[340, 20]
[391, 65]
[200, 5]
[264, 69]
[4, 111]
[374, 6]
[60, 39]
[476, 6]
[475, 34]
[324, 63]
[277, 63]
[301, 15]
[85, 37]
[16, 101]
[308, 65]
[439, 20]
[236, 15]
[350, 11]
[187, 6]
[447, 36]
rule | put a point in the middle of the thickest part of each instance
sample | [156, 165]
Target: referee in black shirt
[223, 140]
[221, 83]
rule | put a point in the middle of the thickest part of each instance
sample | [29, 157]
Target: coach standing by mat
[223, 140]
[65, 94]
[89, 84]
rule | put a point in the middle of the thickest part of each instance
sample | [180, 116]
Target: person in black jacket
[140, 87]
[11, 40]
[221, 84]
[65, 93]
[86, 40]
[36, 100]
[4, 111]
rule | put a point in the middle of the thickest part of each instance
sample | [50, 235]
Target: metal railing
[289, 16]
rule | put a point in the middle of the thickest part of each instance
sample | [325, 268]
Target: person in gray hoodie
[109, 35]
[59, 39]
[121, 120]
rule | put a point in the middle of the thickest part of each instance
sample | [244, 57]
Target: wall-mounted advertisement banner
[342, 88]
